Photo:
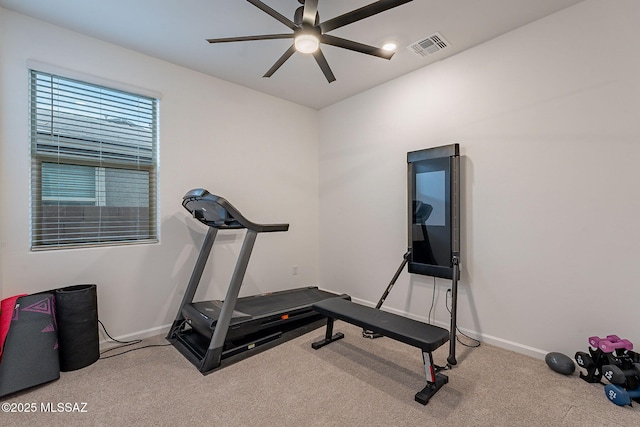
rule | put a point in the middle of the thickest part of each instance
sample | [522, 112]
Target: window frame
[149, 164]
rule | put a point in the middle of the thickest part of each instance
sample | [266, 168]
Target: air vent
[432, 44]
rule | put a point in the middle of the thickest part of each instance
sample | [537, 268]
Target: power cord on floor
[476, 342]
[125, 344]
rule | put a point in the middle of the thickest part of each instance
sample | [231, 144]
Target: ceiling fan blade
[324, 65]
[361, 13]
[250, 38]
[280, 61]
[355, 46]
[310, 11]
[268, 10]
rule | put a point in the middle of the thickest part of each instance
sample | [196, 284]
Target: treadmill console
[209, 209]
[217, 212]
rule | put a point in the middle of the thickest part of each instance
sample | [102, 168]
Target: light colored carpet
[352, 382]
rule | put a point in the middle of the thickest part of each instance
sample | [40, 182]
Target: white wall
[253, 149]
[547, 117]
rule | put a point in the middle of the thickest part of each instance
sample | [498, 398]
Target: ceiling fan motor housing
[299, 13]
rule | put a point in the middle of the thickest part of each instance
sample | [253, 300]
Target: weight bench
[417, 334]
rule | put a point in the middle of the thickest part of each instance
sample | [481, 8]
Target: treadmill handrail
[233, 217]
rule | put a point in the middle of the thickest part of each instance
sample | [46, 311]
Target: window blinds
[94, 164]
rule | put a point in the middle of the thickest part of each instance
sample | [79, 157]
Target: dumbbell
[610, 343]
[584, 360]
[595, 341]
[608, 346]
[615, 375]
[619, 395]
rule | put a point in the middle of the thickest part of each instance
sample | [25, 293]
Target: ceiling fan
[309, 33]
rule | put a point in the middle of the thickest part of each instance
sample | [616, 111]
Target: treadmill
[214, 334]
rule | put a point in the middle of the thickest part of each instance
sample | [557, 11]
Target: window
[93, 164]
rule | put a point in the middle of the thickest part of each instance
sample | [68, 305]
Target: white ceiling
[175, 31]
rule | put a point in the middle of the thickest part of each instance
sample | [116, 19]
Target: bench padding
[417, 334]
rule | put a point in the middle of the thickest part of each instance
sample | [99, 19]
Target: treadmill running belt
[281, 301]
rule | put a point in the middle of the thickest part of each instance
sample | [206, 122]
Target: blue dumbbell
[619, 395]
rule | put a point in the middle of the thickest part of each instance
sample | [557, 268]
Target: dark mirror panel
[432, 175]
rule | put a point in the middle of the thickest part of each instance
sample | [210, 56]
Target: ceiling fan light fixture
[390, 46]
[306, 43]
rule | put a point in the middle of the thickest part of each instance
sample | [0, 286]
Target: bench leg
[435, 381]
[329, 337]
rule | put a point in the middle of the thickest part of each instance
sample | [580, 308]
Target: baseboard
[138, 335]
[514, 346]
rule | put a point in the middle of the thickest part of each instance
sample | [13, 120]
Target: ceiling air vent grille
[432, 44]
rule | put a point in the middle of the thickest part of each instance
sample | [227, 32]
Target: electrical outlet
[294, 270]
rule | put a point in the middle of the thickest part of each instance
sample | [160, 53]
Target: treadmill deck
[258, 322]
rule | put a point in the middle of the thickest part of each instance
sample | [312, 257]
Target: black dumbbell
[615, 375]
[584, 360]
